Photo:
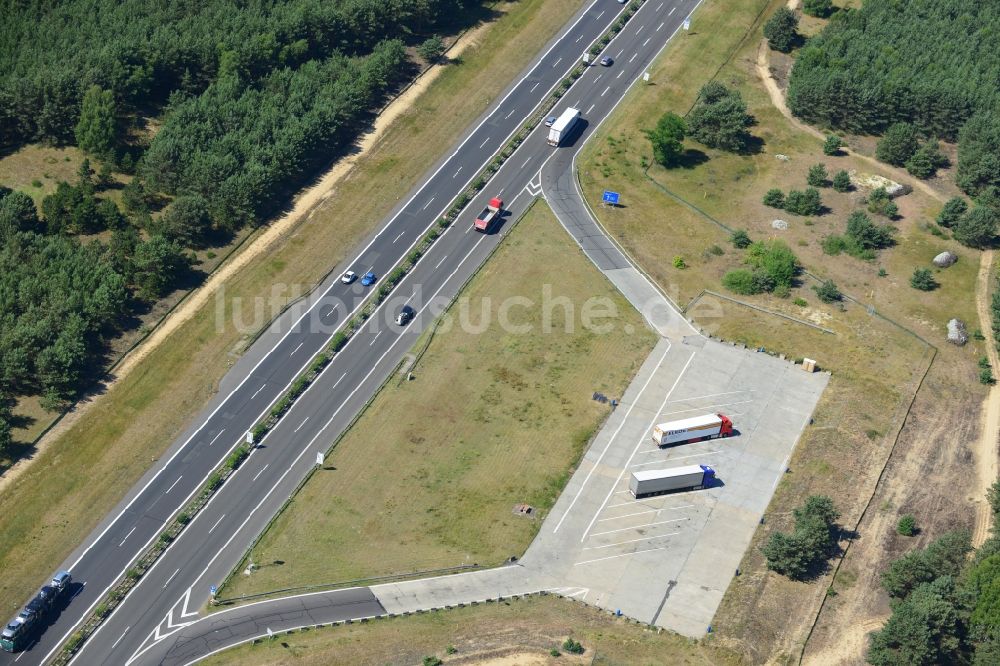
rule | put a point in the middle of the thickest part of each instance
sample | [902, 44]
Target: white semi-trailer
[707, 426]
[563, 124]
[661, 481]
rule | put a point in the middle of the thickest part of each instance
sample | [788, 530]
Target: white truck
[706, 426]
[562, 126]
[662, 481]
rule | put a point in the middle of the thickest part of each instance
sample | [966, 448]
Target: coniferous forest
[934, 64]
[218, 110]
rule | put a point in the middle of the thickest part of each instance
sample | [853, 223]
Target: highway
[169, 596]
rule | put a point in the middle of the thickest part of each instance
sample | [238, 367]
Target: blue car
[368, 279]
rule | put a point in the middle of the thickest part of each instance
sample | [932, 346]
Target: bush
[952, 212]
[719, 119]
[984, 362]
[432, 661]
[805, 203]
[774, 198]
[183, 518]
[716, 250]
[775, 260]
[977, 228]
[817, 175]
[431, 49]
[880, 203]
[832, 145]
[780, 30]
[926, 161]
[573, 647]
[817, 8]
[842, 181]
[740, 281]
[667, 139]
[338, 341]
[834, 245]
[679, 262]
[897, 145]
[165, 538]
[740, 239]
[801, 302]
[214, 481]
[907, 525]
[828, 292]
[923, 280]
[866, 234]
[986, 377]
[798, 554]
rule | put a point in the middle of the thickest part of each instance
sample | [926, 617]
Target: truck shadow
[575, 132]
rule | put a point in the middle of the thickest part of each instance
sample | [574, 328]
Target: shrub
[797, 554]
[828, 292]
[817, 175]
[679, 262]
[926, 161]
[183, 518]
[740, 281]
[573, 647]
[716, 250]
[338, 341]
[431, 49]
[923, 279]
[832, 145]
[432, 661]
[667, 139]
[977, 228]
[897, 145]
[214, 481]
[740, 239]
[805, 203]
[907, 525]
[780, 30]
[801, 302]
[774, 198]
[165, 538]
[834, 245]
[133, 574]
[842, 181]
[720, 119]
[986, 377]
[952, 212]
[775, 260]
[867, 234]
[880, 203]
[817, 8]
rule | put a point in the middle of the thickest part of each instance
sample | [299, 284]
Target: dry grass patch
[94, 463]
[514, 632]
[429, 475]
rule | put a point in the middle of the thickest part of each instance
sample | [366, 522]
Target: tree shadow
[691, 158]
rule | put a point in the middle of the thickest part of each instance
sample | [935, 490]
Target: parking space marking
[638, 444]
[611, 557]
[712, 395]
[639, 513]
[669, 460]
[708, 408]
[639, 527]
[622, 543]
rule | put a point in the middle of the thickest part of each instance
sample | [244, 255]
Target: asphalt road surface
[169, 595]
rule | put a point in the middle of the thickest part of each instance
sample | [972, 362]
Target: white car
[348, 277]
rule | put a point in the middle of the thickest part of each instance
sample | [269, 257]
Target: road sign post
[687, 24]
[249, 436]
[586, 58]
[610, 198]
[319, 459]
[645, 77]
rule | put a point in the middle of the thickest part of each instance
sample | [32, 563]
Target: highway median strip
[215, 481]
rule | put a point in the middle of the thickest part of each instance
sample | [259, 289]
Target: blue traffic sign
[212, 590]
[611, 197]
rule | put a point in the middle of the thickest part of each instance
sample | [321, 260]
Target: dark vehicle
[34, 617]
[405, 315]
[607, 61]
[369, 279]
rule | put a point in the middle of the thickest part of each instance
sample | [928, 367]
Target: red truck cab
[484, 222]
[726, 429]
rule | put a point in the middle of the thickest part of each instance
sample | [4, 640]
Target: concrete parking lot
[667, 560]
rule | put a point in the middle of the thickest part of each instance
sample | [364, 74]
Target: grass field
[515, 632]
[876, 365]
[430, 474]
[50, 509]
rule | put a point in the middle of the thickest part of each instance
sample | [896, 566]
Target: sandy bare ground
[274, 233]
[864, 611]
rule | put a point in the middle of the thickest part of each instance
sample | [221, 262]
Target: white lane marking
[533, 87]
[296, 349]
[659, 7]
[597, 463]
[525, 162]
[500, 191]
[259, 473]
[375, 338]
[257, 391]
[578, 39]
[620, 74]
[605, 91]
[671, 11]
[591, 109]
[640, 29]
[658, 27]
[120, 637]
[301, 424]
[611, 557]
[441, 262]
[216, 523]
[595, 81]
[174, 484]
[399, 236]
[338, 381]
[127, 536]
[217, 437]
[600, 15]
[620, 52]
[557, 61]
[670, 460]
[639, 527]
[633, 57]
[170, 579]
[457, 172]
[622, 543]
[468, 229]
[484, 142]
[294, 327]
[432, 200]
[647, 41]
[330, 311]
[410, 298]
[642, 439]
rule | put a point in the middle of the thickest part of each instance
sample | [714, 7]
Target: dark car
[405, 315]
[607, 61]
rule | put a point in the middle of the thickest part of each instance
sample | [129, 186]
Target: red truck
[489, 215]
